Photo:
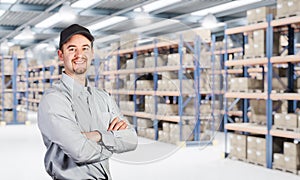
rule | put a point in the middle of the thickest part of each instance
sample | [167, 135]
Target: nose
[79, 53]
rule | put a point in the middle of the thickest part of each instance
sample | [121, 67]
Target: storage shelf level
[243, 95]
[286, 134]
[285, 59]
[245, 62]
[247, 127]
[247, 28]
[285, 96]
[285, 21]
[146, 70]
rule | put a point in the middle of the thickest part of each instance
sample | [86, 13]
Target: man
[81, 125]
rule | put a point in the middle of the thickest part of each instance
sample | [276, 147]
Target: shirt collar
[75, 87]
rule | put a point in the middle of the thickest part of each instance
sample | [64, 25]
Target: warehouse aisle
[22, 151]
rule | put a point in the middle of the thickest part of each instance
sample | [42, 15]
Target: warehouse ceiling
[24, 18]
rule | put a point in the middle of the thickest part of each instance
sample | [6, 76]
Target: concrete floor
[22, 152]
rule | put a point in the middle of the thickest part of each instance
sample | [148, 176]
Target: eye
[86, 48]
[71, 49]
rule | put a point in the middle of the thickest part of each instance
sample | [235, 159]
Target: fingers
[116, 125]
[112, 124]
[120, 125]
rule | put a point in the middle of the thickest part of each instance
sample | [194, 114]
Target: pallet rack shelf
[246, 95]
[178, 95]
[247, 127]
[268, 62]
[11, 78]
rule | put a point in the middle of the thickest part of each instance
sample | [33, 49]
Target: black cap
[67, 33]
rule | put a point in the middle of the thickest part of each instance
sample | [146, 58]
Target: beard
[81, 68]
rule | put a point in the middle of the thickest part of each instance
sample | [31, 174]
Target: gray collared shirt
[65, 111]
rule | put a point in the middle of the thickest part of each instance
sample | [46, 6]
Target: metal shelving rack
[194, 47]
[269, 96]
[13, 81]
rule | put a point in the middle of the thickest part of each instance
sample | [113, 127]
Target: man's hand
[93, 135]
[116, 125]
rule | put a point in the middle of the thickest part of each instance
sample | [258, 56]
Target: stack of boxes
[286, 8]
[259, 14]
[256, 46]
[128, 41]
[7, 101]
[286, 121]
[244, 84]
[238, 146]
[289, 159]
[252, 149]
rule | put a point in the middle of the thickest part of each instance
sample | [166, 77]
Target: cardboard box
[245, 84]
[241, 152]
[161, 61]
[251, 16]
[261, 144]
[150, 133]
[261, 156]
[279, 119]
[278, 160]
[233, 151]
[282, 8]
[187, 85]
[251, 142]
[166, 127]
[144, 85]
[167, 109]
[241, 140]
[187, 131]
[174, 59]
[163, 136]
[145, 123]
[251, 154]
[232, 139]
[291, 149]
[291, 162]
[130, 64]
[262, 12]
[293, 6]
[291, 120]
[141, 131]
[190, 35]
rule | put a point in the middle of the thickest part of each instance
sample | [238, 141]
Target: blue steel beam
[269, 51]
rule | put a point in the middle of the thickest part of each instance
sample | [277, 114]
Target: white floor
[22, 151]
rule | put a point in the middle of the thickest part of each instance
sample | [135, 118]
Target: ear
[60, 55]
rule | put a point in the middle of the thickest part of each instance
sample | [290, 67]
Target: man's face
[76, 54]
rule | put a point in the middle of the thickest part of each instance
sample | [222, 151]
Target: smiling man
[81, 126]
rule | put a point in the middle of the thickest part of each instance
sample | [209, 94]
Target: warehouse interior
[211, 87]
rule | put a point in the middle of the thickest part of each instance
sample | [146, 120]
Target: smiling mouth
[79, 62]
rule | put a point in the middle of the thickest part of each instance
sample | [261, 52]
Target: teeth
[78, 62]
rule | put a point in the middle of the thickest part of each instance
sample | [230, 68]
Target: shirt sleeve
[122, 140]
[56, 121]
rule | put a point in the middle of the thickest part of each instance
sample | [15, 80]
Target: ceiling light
[50, 21]
[4, 47]
[224, 7]
[107, 22]
[84, 3]
[26, 34]
[147, 40]
[156, 5]
[8, 1]
[209, 21]
[1, 12]
[66, 13]
[155, 25]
